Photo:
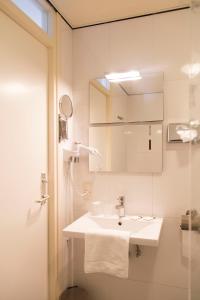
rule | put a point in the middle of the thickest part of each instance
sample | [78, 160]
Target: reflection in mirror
[127, 148]
[127, 101]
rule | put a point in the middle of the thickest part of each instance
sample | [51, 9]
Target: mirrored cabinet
[127, 148]
[126, 124]
[127, 101]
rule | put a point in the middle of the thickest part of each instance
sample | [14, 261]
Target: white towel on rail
[107, 251]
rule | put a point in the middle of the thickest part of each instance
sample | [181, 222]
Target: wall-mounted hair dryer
[72, 150]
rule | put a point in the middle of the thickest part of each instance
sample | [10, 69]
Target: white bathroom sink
[143, 230]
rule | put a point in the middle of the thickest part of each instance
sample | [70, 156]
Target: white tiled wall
[155, 43]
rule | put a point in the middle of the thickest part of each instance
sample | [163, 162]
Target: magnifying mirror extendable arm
[66, 111]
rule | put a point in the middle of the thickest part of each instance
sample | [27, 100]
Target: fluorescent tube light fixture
[126, 76]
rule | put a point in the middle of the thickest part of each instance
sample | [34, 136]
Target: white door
[23, 157]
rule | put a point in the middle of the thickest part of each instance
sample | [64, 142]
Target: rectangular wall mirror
[127, 101]
[127, 148]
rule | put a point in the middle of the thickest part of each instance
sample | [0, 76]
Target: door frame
[14, 13]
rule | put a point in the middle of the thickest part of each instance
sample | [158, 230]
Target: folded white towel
[107, 251]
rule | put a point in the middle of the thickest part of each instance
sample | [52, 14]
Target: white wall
[64, 86]
[155, 43]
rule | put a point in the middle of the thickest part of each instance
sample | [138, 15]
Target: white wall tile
[144, 283]
[136, 189]
[171, 188]
[166, 264]
[171, 43]
[81, 116]
[90, 54]
[131, 45]
[176, 101]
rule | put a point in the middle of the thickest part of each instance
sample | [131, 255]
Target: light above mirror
[125, 76]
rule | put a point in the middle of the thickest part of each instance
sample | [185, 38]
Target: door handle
[44, 187]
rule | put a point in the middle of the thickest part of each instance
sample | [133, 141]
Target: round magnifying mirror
[66, 108]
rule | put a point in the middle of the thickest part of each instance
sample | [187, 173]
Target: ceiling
[87, 12]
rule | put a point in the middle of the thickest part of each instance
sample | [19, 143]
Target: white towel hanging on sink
[107, 251]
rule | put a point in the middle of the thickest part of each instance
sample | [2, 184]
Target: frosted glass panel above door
[37, 12]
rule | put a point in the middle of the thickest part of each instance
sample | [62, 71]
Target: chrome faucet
[120, 207]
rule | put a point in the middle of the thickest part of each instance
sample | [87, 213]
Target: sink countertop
[143, 230]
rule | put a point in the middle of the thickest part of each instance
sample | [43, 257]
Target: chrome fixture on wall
[66, 111]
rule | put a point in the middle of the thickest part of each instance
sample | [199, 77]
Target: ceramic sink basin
[143, 230]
